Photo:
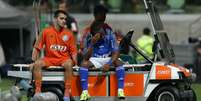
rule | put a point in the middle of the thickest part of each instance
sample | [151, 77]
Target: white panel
[149, 89]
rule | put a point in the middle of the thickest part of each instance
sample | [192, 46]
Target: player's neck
[58, 28]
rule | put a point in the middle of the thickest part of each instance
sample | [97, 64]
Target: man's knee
[38, 65]
[68, 64]
[117, 62]
[85, 64]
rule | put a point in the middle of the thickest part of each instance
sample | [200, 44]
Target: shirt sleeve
[72, 45]
[113, 41]
[83, 40]
[40, 41]
[86, 40]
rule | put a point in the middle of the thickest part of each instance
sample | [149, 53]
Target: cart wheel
[192, 97]
[56, 91]
[167, 93]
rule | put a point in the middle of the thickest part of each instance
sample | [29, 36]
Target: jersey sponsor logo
[58, 48]
[65, 38]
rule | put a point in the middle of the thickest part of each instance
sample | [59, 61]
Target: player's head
[100, 13]
[146, 31]
[96, 27]
[60, 17]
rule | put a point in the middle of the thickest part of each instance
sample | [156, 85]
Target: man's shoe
[85, 96]
[121, 94]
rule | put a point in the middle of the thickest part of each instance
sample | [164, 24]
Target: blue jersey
[105, 46]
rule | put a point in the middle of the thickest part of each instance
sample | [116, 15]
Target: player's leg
[83, 72]
[38, 75]
[120, 73]
[68, 66]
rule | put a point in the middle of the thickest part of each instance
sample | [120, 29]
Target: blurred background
[181, 19]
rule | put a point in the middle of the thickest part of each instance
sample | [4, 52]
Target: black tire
[167, 93]
[194, 96]
[56, 91]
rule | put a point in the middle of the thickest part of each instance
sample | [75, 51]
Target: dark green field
[7, 83]
[197, 88]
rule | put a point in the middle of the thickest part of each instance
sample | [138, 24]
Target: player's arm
[74, 28]
[35, 54]
[74, 57]
[114, 48]
[89, 49]
[115, 53]
[115, 56]
[73, 49]
[88, 53]
[37, 47]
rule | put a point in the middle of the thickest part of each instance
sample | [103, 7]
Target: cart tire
[167, 93]
[56, 91]
[194, 96]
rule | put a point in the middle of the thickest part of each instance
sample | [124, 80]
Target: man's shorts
[99, 62]
[54, 61]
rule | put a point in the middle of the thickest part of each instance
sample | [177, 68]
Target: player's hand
[106, 67]
[31, 66]
[95, 38]
[74, 62]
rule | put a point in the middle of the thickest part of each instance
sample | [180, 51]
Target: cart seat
[58, 68]
[75, 68]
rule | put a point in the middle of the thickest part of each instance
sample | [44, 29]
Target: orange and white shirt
[57, 44]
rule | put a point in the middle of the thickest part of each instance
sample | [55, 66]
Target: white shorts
[99, 62]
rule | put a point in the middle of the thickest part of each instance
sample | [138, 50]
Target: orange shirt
[57, 44]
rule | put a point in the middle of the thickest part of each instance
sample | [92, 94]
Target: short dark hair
[100, 9]
[57, 12]
[146, 31]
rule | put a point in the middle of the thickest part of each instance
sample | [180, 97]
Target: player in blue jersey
[101, 51]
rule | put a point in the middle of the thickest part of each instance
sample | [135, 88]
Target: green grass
[197, 89]
[5, 84]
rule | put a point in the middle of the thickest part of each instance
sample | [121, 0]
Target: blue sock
[120, 72]
[83, 72]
